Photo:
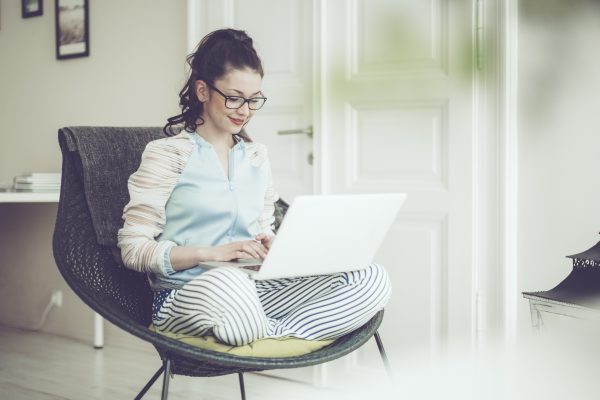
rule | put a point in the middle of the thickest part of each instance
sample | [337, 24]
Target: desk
[52, 197]
[29, 197]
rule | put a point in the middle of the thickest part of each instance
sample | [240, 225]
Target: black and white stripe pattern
[238, 310]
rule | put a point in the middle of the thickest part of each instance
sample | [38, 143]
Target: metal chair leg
[383, 355]
[242, 388]
[166, 378]
[150, 382]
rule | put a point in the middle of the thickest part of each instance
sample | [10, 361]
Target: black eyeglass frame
[264, 99]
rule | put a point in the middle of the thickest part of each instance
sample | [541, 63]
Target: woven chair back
[96, 165]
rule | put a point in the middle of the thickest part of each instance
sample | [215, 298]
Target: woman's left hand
[265, 240]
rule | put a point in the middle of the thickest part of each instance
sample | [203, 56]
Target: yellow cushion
[283, 347]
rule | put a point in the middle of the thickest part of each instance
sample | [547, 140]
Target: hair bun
[241, 36]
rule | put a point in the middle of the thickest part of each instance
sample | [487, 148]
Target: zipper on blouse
[231, 163]
[231, 175]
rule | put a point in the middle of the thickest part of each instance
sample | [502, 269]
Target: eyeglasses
[235, 102]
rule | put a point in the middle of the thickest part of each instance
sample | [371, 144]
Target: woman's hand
[265, 240]
[235, 250]
[184, 257]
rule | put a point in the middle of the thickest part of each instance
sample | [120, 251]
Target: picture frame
[32, 8]
[72, 28]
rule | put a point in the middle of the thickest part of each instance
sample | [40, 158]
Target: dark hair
[216, 54]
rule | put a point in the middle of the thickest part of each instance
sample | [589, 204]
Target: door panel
[396, 37]
[399, 146]
[288, 154]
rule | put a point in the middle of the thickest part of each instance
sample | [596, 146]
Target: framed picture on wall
[32, 8]
[72, 29]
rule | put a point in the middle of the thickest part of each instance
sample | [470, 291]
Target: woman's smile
[237, 121]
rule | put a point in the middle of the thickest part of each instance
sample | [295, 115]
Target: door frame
[510, 51]
[496, 170]
[494, 152]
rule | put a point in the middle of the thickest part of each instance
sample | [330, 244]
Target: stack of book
[37, 182]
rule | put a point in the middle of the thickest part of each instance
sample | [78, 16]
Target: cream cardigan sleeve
[150, 187]
[260, 158]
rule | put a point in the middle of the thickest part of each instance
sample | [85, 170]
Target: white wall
[559, 145]
[131, 78]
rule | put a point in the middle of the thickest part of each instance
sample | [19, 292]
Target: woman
[206, 193]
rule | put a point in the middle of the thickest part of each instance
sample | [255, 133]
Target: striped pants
[238, 310]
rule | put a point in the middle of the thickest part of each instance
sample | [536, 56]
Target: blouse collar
[239, 141]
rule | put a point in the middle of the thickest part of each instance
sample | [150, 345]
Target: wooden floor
[38, 366]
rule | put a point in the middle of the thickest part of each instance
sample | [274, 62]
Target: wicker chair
[96, 165]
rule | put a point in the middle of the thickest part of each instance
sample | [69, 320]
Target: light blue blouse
[207, 208]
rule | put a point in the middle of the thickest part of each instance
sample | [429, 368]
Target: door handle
[306, 131]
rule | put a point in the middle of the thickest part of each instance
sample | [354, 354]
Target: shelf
[29, 197]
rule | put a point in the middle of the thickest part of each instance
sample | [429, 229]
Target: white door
[386, 84]
[396, 116]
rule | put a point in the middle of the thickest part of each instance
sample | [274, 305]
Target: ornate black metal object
[582, 286]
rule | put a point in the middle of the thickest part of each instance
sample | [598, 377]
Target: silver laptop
[324, 235]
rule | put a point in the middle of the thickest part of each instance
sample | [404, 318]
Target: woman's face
[237, 82]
